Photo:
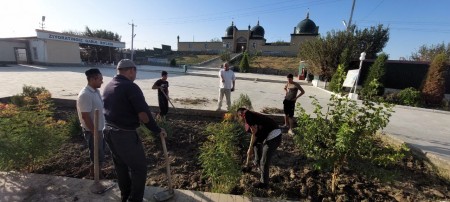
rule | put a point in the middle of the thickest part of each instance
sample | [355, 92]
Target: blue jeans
[89, 137]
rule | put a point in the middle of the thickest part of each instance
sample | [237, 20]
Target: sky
[412, 23]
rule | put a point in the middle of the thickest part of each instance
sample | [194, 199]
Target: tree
[434, 86]
[244, 66]
[427, 53]
[376, 73]
[339, 76]
[323, 54]
[215, 40]
[96, 52]
[338, 79]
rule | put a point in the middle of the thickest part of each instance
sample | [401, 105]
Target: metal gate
[21, 56]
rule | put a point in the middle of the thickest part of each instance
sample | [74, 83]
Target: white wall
[38, 51]
[54, 52]
[7, 50]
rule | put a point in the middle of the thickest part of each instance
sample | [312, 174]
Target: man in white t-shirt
[88, 100]
[227, 85]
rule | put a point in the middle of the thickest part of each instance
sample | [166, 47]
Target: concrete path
[423, 129]
[15, 186]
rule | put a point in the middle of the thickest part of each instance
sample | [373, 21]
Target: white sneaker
[218, 109]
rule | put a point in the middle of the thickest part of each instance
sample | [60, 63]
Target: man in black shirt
[163, 94]
[266, 138]
[125, 109]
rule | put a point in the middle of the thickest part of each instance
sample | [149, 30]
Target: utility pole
[132, 38]
[351, 16]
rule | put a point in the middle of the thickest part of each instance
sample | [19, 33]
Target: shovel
[97, 187]
[169, 193]
[168, 98]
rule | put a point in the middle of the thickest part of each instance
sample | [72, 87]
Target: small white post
[353, 95]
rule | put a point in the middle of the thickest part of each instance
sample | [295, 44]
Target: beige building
[253, 40]
[48, 48]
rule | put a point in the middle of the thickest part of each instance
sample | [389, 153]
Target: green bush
[225, 56]
[219, 155]
[244, 65]
[242, 101]
[376, 72]
[74, 126]
[28, 133]
[344, 133]
[339, 76]
[409, 96]
[338, 79]
[173, 63]
[147, 134]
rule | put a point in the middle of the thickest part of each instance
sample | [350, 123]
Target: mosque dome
[258, 31]
[229, 31]
[306, 26]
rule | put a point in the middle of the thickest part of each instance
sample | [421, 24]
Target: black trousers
[129, 162]
[263, 156]
[163, 105]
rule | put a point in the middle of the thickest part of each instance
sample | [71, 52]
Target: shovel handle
[167, 98]
[95, 133]
[166, 156]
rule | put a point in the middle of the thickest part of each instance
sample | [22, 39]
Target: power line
[375, 8]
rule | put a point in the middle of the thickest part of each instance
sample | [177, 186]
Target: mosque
[252, 40]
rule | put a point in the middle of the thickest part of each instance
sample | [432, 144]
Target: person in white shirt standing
[226, 84]
[89, 99]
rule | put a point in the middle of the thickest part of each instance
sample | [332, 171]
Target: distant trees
[215, 40]
[96, 52]
[323, 53]
[434, 87]
[427, 53]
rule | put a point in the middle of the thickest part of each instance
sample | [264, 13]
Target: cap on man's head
[92, 72]
[124, 63]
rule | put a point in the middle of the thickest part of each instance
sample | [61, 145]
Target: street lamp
[353, 95]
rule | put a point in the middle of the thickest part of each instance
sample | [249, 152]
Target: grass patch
[193, 59]
[279, 63]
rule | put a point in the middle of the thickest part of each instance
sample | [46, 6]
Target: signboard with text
[42, 34]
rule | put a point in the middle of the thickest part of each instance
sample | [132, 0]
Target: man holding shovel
[163, 94]
[88, 100]
[265, 139]
[125, 109]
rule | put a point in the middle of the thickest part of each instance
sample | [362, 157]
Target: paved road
[425, 129]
